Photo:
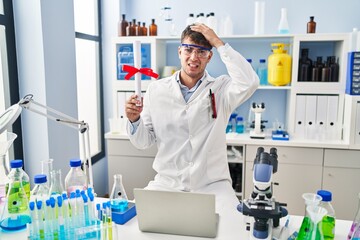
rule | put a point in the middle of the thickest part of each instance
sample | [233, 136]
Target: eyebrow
[196, 46]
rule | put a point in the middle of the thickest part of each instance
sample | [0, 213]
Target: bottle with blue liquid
[239, 125]
[231, 126]
[262, 72]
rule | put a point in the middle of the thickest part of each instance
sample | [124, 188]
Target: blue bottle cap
[72, 195]
[249, 60]
[233, 115]
[239, 119]
[75, 162]
[59, 201]
[18, 163]
[262, 60]
[64, 196]
[32, 206]
[326, 195]
[40, 178]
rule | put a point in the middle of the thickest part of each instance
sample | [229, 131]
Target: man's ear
[210, 56]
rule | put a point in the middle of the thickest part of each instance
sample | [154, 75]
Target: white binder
[333, 129]
[300, 116]
[357, 124]
[310, 117]
[321, 116]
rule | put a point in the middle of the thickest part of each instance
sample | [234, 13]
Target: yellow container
[279, 65]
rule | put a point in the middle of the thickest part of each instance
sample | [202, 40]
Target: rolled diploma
[137, 64]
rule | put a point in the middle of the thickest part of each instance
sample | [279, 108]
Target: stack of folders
[353, 74]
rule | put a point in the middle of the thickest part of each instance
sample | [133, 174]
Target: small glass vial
[153, 28]
[283, 25]
[311, 25]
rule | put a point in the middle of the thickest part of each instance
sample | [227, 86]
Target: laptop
[180, 213]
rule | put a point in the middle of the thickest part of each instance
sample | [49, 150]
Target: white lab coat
[191, 144]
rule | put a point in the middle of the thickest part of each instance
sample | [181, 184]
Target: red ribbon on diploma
[132, 70]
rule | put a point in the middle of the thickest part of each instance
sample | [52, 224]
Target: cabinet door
[136, 172]
[299, 171]
[342, 178]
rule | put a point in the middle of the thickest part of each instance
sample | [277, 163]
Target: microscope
[258, 131]
[261, 205]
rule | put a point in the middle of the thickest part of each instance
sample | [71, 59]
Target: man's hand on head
[208, 33]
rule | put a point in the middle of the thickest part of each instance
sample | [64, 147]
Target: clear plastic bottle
[16, 170]
[40, 190]
[211, 22]
[328, 222]
[354, 232]
[239, 124]
[201, 18]
[283, 25]
[262, 72]
[76, 178]
[190, 19]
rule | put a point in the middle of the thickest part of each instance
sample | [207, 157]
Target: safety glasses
[201, 52]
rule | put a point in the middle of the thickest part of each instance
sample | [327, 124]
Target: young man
[186, 114]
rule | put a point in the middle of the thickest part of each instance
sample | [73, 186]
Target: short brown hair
[196, 37]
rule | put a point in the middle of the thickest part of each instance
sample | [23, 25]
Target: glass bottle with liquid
[239, 124]
[144, 30]
[328, 221]
[122, 26]
[118, 197]
[354, 233]
[76, 178]
[15, 212]
[262, 72]
[16, 170]
[153, 28]
[305, 66]
[316, 70]
[311, 25]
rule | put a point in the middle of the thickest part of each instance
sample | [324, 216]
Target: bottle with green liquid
[328, 222]
[16, 212]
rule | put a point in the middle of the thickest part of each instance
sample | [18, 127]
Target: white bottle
[212, 22]
[190, 19]
[201, 18]
[228, 26]
[354, 40]
[283, 25]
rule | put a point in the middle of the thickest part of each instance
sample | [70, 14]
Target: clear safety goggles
[201, 52]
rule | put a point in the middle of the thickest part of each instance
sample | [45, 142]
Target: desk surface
[231, 227]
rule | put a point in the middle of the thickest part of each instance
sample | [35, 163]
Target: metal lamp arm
[30, 104]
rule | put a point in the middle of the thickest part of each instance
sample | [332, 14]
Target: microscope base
[253, 134]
